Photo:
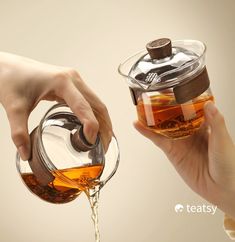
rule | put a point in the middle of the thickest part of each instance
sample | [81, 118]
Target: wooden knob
[159, 49]
[79, 142]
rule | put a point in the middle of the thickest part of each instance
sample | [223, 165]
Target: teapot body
[169, 86]
[63, 164]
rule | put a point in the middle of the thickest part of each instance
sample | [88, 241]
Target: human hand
[25, 82]
[205, 160]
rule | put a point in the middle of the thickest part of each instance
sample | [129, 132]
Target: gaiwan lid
[58, 144]
[179, 64]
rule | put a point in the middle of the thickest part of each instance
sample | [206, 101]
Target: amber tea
[59, 191]
[163, 115]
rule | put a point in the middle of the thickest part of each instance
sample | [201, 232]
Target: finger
[82, 110]
[159, 140]
[216, 122]
[105, 127]
[94, 101]
[18, 118]
[203, 131]
[99, 109]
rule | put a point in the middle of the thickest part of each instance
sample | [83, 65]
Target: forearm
[227, 204]
[22, 68]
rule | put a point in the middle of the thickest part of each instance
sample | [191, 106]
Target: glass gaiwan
[169, 85]
[63, 163]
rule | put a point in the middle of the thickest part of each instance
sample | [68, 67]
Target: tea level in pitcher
[162, 114]
[59, 191]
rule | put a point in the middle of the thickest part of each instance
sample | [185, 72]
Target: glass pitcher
[63, 163]
[169, 85]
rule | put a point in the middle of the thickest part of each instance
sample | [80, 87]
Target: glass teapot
[63, 163]
[169, 85]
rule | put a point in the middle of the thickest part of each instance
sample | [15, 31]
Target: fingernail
[210, 108]
[24, 152]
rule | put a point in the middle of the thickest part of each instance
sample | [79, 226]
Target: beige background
[94, 36]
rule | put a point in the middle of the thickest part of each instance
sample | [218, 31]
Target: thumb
[217, 124]
[18, 119]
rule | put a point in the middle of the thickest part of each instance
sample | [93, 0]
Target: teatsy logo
[179, 208]
[193, 209]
